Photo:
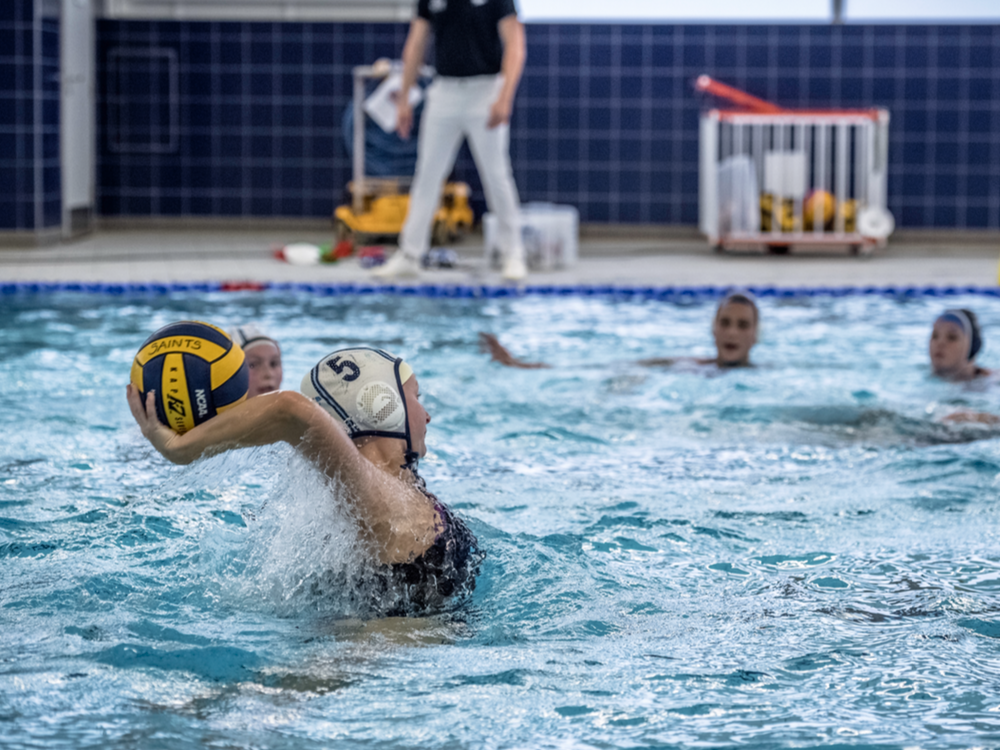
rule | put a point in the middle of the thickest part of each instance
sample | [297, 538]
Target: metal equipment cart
[379, 205]
[777, 178]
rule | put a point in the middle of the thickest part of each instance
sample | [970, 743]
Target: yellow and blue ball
[196, 369]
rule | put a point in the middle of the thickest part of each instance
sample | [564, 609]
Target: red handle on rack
[736, 96]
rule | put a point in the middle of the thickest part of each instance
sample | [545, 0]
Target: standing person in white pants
[479, 56]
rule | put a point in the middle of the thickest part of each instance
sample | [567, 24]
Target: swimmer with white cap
[359, 421]
[734, 329]
[955, 341]
[263, 357]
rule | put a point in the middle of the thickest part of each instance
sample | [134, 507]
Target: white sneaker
[399, 266]
[514, 269]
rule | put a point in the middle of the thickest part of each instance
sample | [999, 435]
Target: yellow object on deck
[384, 206]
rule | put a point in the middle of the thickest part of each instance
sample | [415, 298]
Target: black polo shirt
[466, 39]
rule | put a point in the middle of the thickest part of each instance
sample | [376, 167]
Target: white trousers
[458, 108]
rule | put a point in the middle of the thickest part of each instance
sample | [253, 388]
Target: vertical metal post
[757, 129]
[803, 188]
[708, 185]
[742, 198]
[358, 173]
[842, 130]
[779, 162]
[863, 164]
[821, 157]
[879, 195]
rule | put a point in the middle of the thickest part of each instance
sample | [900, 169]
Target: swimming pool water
[800, 554]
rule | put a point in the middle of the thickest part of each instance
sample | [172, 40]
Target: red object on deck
[242, 286]
[343, 249]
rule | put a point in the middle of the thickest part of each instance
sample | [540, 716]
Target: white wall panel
[78, 131]
[261, 10]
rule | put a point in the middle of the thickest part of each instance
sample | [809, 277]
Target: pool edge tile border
[459, 291]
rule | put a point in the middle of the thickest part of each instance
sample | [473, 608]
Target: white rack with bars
[779, 178]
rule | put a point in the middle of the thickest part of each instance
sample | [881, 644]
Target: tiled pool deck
[143, 255]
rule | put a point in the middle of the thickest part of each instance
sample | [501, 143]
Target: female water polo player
[955, 341]
[734, 329]
[263, 357]
[359, 421]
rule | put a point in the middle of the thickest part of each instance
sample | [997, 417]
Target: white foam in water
[299, 542]
[299, 551]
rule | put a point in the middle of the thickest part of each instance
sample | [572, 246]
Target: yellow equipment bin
[383, 207]
[379, 204]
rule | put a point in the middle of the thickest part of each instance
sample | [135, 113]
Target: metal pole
[358, 177]
[708, 186]
[821, 159]
[842, 132]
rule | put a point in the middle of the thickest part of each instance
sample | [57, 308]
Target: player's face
[264, 361]
[735, 332]
[948, 348]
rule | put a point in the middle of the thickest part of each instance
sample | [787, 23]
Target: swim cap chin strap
[362, 388]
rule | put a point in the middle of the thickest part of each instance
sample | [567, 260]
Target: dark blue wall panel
[228, 119]
[49, 158]
[17, 115]
[30, 196]
[243, 119]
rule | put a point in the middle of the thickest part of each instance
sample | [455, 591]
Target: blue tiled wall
[29, 118]
[608, 119]
[252, 128]
[243, 119]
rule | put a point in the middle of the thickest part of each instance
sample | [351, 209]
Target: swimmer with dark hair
[263, 358]
[955, 341]
[359, 421]
[734, 329]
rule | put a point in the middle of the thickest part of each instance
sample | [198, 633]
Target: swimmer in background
[955, 341]
[263, 358]
[734, 329]
[360, 422]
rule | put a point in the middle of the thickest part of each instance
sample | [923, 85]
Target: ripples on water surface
[797, 555]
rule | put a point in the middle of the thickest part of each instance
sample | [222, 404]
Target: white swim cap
[363, 389]
[250, 335]
[739, 296]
